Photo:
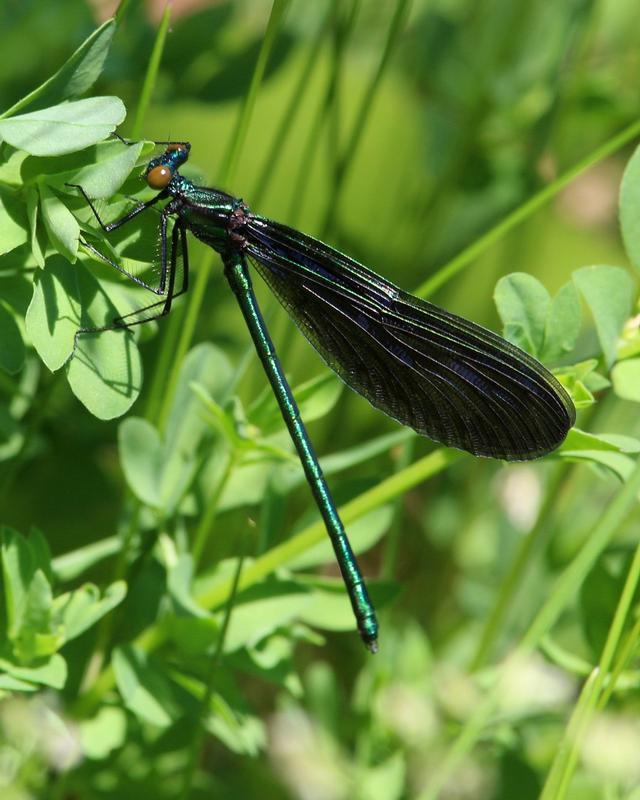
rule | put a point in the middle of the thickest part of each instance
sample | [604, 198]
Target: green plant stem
[121, 11]
[152, 73]
[241, 129]
[204, 528]
[301, 181]
[625, 655]
[555, 786]
[346, 155]
[572, 577]
[172, 352]
[563, 767]
[196, 296]
[392, 538]
[195, 748]
[280, 555]
[165, 362]
[288, 116]
[562, 594]
[463, 259]
[514, 577]
[376, 497]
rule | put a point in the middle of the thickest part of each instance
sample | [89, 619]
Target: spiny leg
[178, 239]
[112, 226]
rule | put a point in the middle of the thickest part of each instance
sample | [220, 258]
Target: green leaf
[70, 565]
[11, 161]
[100, 170]
[105, 373]
[76, 76]
[523, 303]
[60, 224]
[104, 733]
[626, 379]
[609, 451]
[160, 471]
[38, 636]
[194, 635]
[12, 350]
[38, 239]
[81, 609]
[608, 291]
[240, 731]
[141, 457]
[54, 314]
[17, 572]
[385, 781]
[64, 128]
[145, 691]
[52, 673]
[599, 598]
[10, 684]
[13, 222]
[329, 607]
[363, 534]
[179, 585]
[277, 603]
[315, 398]
[206, 365]
[630, 208]
[20, 562]
[563, 323]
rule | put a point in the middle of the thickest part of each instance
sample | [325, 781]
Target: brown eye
[175, 146]
[159, 177]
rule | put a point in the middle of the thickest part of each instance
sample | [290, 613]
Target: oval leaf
[141, 456]
[64, 128]
[60, 224]
[630, 208]
[77, 74]
[105, 373]
[11, 345]
[53, 316]
[523, 303]
[626, 379]
[608, 291]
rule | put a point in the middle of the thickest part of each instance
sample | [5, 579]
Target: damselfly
[443, 376]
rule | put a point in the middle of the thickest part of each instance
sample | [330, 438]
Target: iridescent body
[440, 374]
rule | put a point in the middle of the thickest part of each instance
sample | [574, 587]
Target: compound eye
[176, 146]
[159, 177]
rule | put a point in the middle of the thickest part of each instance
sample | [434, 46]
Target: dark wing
[443, 376]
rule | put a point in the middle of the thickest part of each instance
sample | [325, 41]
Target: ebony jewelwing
[443, 376]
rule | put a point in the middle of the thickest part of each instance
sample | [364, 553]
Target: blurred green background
[481, 103]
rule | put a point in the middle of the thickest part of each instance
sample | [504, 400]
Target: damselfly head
[161, 170]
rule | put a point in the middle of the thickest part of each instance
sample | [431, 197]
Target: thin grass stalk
[121, 11]
[197, 742]
[524, 211]
[562, 594]
[346, 154]
[241, 129]
[564, 764]
[152, 73]
[529, 544]
[283, 553]
[196, 294]
[289, 114]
